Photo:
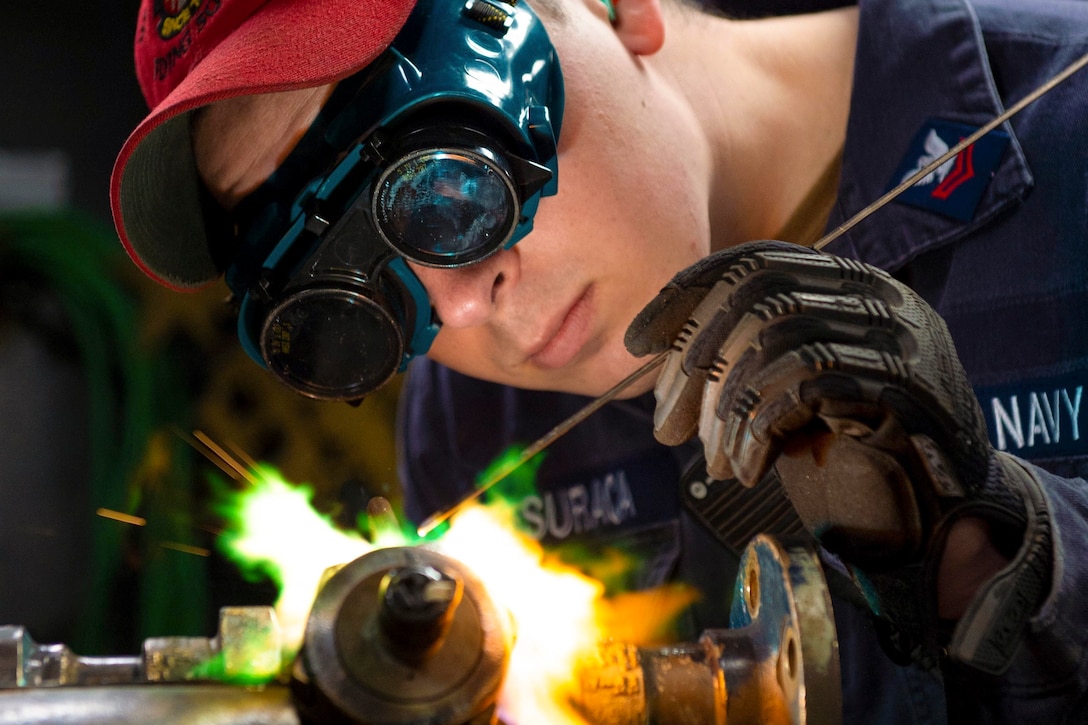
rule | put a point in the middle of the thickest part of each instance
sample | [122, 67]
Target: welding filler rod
[543, 442]
[555, 433]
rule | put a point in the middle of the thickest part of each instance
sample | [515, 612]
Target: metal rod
[543, 442]
[550, 437]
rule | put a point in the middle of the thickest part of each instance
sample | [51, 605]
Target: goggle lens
[446, 207]
[332, 343]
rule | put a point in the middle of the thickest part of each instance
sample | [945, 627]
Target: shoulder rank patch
[956, 186]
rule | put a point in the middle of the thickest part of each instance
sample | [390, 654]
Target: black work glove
[848, 383]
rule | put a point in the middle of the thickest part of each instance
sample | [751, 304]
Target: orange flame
[553, 609]
[559, 614]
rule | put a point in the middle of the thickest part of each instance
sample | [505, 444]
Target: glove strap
[987, 635]
[989, 632]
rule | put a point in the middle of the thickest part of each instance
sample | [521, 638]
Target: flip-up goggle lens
[446, 207]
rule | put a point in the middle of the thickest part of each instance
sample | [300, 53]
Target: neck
[772, 97]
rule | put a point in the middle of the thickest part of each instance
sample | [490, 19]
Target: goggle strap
[418, 302]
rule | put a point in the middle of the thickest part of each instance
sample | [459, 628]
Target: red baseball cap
[190, 53]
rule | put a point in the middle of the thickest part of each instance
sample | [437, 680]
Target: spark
[185, 548]
[559, 614]
[122, 517]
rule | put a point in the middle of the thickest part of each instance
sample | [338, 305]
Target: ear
[640, 25]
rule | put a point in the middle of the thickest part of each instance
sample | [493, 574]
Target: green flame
[271, 530]
[516, 483]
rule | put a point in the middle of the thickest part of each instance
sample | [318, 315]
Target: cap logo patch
[175, 15]
[954, 188]
[175, 21]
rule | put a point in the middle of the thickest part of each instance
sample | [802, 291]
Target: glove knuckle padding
[821, 330]
[657, 325]
[779, 344]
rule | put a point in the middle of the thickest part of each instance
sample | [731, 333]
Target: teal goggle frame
[437, 153]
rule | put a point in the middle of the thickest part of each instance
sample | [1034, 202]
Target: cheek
[459, 349]
[643, 218]
[639, 184]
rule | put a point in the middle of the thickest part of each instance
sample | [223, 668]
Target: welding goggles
[437, 153]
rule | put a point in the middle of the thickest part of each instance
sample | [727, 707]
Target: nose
[468, 296]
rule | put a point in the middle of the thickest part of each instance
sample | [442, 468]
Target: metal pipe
[777, 663]
[399, 636]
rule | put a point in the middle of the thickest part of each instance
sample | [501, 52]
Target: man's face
[550, 313]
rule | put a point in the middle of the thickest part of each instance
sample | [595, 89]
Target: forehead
[239, 142]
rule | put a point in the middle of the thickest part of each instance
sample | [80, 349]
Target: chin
[592, 376]
[599, 376]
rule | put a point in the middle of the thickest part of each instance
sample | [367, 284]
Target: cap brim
[288, 44]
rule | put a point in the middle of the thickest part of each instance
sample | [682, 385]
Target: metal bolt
[417, 608]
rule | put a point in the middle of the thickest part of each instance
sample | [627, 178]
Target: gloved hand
[848, 384]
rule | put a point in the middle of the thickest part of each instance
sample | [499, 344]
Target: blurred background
[106, 533]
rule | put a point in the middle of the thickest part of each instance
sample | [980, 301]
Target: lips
[570, 335]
